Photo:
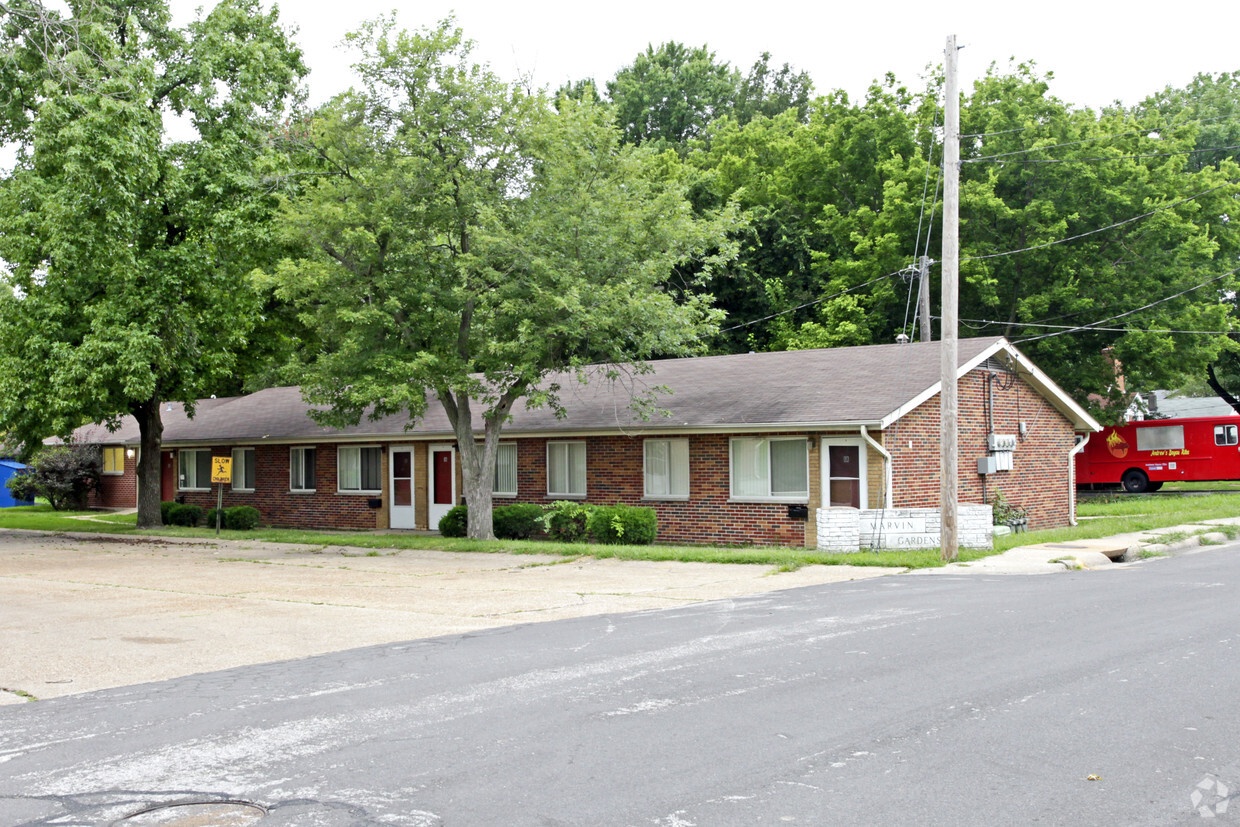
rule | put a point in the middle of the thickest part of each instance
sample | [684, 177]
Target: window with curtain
[667, 468]
[195, 469]
[301, 469]
[566, 469]
[770, 468]
[505, 470]
[113, 460]
[358, 469]
[243, 469]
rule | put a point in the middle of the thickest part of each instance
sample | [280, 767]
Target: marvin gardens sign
[849, 529]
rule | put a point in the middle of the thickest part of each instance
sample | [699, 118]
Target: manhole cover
[198, 814]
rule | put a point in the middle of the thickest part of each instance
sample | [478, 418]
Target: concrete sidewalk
[1048, 558]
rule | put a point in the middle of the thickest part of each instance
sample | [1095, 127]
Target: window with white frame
[566, 469]
[113, 460]
[505, 470]
[194, 468]
[358, 469]
[301, 469]
[770, 468]
[667, 469]
[243, 471]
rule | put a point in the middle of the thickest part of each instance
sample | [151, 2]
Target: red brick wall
[614, 474]
[118, 490]
[1038, 480]
[287, 509]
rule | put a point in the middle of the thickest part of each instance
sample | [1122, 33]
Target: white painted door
[442, 482]
[843, 475]
[402, 504]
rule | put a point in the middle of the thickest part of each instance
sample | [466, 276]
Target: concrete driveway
[83, 612]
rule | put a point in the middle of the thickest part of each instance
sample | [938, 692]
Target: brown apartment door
[168, 477]
[442, 482]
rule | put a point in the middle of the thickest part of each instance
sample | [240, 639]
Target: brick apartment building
[749, 446]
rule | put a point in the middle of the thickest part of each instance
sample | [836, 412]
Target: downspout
[1072, 479]
[887, 461]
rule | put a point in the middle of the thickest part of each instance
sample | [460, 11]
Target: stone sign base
[897, 529]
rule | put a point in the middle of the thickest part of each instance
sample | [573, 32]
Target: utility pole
[923, 298]
[949, 404]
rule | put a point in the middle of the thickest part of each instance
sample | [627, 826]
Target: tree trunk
[151, 434]
[478, 460]
[1220, 390]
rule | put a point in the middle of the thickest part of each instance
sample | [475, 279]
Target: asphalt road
[1096, 697]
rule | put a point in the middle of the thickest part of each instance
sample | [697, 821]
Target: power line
[1163, 128]
[925, 186]
[1094, 325]
[1102, 229]
[811, 304]
[1068, 328]
[1115, 158]
[1003, 132]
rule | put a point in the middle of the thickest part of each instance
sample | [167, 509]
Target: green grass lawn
[1216, 485]
[1125, 513]
[1101, 517]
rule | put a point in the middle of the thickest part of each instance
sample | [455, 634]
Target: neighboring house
[1164, 405]
[8, 470]
[750, 446]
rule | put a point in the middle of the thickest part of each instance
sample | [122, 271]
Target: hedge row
[236, 518]
[567, 521]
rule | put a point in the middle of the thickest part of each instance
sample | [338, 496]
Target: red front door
[168, 477]
[442, 482]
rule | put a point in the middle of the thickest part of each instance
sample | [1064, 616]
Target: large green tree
[833, 202]
[469, 239]
[126, 248]
[1049, 181]
[671, 94]
[845, 200]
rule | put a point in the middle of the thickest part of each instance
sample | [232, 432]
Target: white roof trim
[1081, 420]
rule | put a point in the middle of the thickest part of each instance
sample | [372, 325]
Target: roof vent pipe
[902, 339]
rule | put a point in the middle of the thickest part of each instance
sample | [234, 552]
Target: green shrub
[517, 521]
[165, 511]
[242, 518]
[23, 487]
[626, 524]
[567, 520]
[184, 514]
[455, 523]
[235, 518]
[64, 475]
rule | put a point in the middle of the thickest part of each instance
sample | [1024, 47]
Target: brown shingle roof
[838, 386]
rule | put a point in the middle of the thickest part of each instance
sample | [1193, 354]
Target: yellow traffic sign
[221, 469]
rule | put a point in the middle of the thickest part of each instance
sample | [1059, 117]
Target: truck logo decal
[1117, 445]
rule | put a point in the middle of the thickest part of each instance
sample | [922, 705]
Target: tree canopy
[466, 239]
[126, 250]
[1069, 218]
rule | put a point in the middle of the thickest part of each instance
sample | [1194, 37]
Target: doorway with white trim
[402, 511]
[441, 483]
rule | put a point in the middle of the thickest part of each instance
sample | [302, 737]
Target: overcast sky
[1098, 51]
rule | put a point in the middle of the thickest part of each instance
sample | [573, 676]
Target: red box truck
[1141, 456]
